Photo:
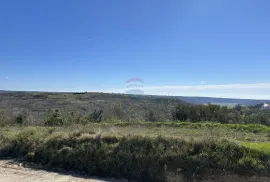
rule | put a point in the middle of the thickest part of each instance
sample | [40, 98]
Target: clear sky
[178, 47]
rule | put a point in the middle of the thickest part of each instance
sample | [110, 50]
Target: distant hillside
[221, 101]
[187, 99]
[126, 107]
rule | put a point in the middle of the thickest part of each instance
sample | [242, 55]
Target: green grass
[255, 128]
[140, 150]
[263, 147]
[181, 130]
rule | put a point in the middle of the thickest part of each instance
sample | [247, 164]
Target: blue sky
[179, 47]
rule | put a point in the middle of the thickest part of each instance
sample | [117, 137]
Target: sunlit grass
[183, 130]
[263, 147]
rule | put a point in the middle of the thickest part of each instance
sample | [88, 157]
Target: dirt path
[11, 172]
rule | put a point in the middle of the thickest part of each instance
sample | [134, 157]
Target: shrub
[75, 118]
[53, 118]
[20, 116]
[250, 164]
[20, 119]
[24, 142]
[136, 158]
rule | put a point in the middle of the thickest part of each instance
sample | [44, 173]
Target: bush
[135, 158]
[216, 113]
[20, 119]
[53, 118]
[250, 165]
[20, 116]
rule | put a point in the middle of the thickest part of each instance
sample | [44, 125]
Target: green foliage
[17, 117]
[264, 147]
[222, 114]
[53, 118]
[20, 119]
[134, 158]
[21, 144]
[254, 128]
[124, 107]
[250, 164]
[141, 158]
[20, 116]
[75, 118]
[208, 112]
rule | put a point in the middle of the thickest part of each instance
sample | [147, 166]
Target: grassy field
[182, 130]
[140, 150]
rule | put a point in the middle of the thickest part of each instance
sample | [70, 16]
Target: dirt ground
[172, 177]
[12, 171]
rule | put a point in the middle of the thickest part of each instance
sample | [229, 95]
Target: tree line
[222, 114]
[180, 112]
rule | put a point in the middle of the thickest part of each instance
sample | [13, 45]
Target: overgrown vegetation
[140, 138]
[32, 108]
[180, 113]
[133, 157]
[113, 106]
[221, 114]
